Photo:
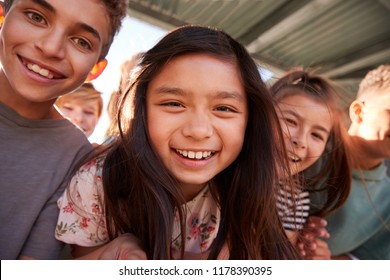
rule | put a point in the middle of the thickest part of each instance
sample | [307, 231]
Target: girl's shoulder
[81, 218]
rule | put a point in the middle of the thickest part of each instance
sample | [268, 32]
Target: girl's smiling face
[306, 124]
[196, 117]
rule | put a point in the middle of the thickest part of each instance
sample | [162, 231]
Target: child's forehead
[82, 103]
[379, 98]
[92, 14]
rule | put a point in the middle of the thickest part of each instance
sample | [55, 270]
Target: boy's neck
[363, 158]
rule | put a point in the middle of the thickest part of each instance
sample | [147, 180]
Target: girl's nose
[299, 142]
[198, 126]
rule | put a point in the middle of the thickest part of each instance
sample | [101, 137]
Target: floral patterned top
[81, 220]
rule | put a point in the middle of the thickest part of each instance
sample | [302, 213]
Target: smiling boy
[47, 48]
[83, 107]
[368, 202]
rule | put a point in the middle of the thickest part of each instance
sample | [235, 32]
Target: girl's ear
[356, 111]
[97, 70]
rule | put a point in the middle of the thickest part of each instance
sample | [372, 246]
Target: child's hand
[124, 247]
[321, 251]
[310, 242]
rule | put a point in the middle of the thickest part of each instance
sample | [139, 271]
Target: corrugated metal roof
[342, 38]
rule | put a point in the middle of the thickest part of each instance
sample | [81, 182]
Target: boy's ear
[1, 15]
[356, 111]
[97, 70]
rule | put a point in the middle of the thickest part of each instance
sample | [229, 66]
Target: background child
[368, 202]
[112, 108]
[83, 107]
[194, 172]
[313, 128]
[47, 49]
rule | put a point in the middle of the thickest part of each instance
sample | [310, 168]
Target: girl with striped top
[315, 140]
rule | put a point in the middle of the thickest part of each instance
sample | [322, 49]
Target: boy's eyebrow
[91, 30]
[84, 26]
[45, 5]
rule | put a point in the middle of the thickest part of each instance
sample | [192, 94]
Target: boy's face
[47, 48]
[374, 127]
[84, 114]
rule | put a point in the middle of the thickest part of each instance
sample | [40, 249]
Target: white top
[82, 222]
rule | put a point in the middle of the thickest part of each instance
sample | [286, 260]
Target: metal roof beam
[371, 59]
[283, 28]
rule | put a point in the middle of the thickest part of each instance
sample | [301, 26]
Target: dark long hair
[141, 195]
[332, 174]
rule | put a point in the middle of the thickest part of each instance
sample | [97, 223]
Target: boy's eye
[67, 108]
[82, 43]
[36, 17]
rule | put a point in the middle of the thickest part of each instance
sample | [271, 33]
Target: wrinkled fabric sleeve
[81, 219]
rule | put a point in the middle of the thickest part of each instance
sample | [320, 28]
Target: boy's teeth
[43, 72]
[194, 155]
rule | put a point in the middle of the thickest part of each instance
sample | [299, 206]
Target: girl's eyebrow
[46, 5]
[295, 114]
[170, 90]
[218, 95]
[230, 94]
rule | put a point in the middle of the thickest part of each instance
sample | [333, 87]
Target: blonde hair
[128, 67]
[85, 93]
[375, 81]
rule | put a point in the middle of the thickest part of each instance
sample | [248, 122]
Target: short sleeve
[81, 219]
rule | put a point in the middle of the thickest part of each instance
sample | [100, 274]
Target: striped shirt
[285, 206]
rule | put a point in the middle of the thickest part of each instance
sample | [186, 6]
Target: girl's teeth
[194, 155]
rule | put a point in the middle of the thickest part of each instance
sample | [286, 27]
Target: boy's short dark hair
[116, 11]
[375, 81]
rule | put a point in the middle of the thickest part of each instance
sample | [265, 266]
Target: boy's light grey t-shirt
[36, 156]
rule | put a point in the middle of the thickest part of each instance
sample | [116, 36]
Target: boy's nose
[52, 45]
[198, 126]
[77, 117]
